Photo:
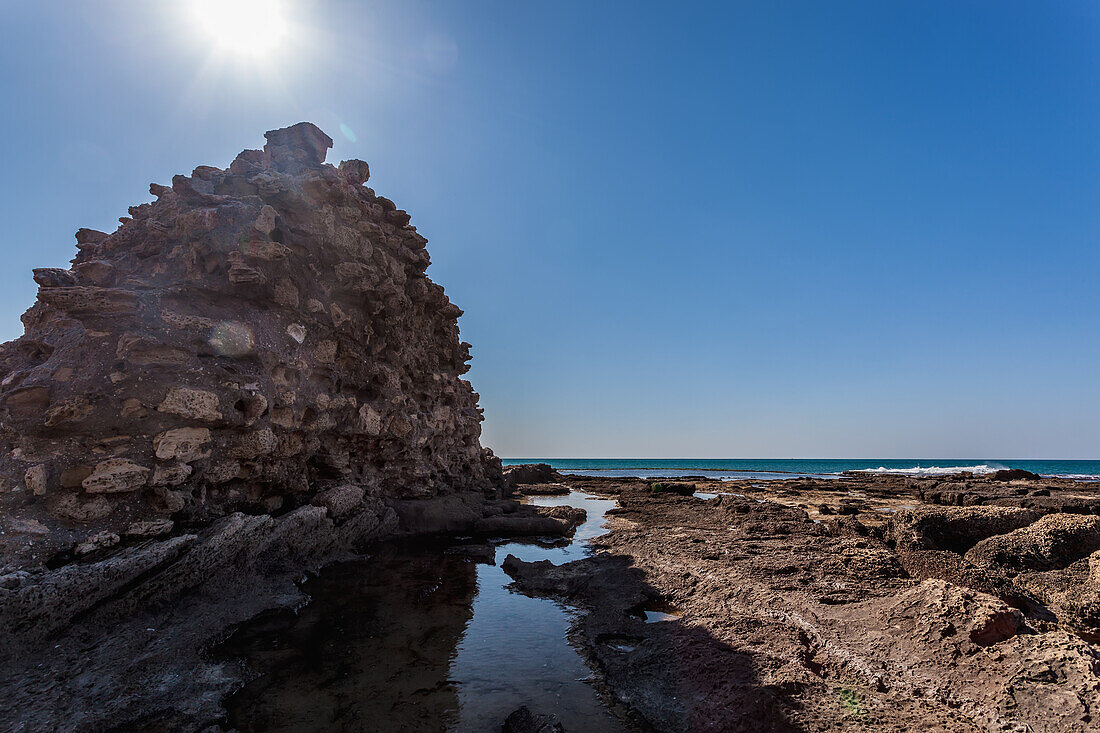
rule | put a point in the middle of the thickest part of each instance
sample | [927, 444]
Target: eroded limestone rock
[254, 336]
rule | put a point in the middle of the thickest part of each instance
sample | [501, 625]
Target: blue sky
[767, 229]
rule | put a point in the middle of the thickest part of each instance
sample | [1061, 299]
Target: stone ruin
[255, 336]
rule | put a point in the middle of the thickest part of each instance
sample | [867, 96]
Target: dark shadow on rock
[670, 676]
[372, 651]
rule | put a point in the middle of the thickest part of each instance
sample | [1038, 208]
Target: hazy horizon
[767, 229]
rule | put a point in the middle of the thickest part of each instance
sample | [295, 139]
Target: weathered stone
[252, 407]
[172, 474]
[154, 528]
[73, 410]
[255, 444]
[356, 171]
[96, 542]
[258, 332]
[304, 138]
[196, 404]
[97, 272]
[340, 500]
[72, 508]
[115, 475]
[265, 222]
[531, 473]
[1052, 542]
[325, 352]
[53, 277]
[370, 421]
[286, 293]
[86, 238]
[264, 250]
[221, 471]
[183, 444]
[90, 300]
[145, 350]
[35, 478]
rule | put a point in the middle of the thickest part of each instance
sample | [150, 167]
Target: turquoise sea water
[765, 468]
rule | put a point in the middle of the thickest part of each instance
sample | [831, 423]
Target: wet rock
[1014, 474]
[542, 489]
[522, 720]
[484, 553]
[670, 487]
[530, 473]
[531, 521]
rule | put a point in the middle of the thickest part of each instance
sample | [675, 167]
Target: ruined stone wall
[253, 336]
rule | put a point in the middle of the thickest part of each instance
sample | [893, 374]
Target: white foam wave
[979, 469]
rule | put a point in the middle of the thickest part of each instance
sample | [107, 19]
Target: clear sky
[730, 229]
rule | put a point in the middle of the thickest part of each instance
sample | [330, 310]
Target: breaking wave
[980, 469]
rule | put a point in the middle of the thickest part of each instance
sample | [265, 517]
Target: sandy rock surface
[766, 608]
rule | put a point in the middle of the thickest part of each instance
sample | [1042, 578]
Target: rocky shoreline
[126, 641]
[253, 378]
[862, 603]
[250, 379]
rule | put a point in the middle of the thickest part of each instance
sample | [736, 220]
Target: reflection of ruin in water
[370, 652]
[420, 640]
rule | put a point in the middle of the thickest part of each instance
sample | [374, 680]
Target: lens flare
[245, 27]
[232, 338]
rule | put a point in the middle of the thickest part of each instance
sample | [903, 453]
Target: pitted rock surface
[253, 338]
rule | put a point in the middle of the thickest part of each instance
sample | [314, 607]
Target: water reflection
[371, 652]
[421, 640]
[515, 650]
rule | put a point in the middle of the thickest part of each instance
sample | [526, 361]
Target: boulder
[1014, 474]
[530, 473]
[672, 487]
[1051, 543]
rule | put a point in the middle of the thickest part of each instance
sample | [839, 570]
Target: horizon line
[757, 458]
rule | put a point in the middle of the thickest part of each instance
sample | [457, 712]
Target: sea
[771, 468]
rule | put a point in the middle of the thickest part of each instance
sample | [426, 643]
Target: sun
[250, 28]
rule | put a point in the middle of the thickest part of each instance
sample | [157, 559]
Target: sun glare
[244, 27]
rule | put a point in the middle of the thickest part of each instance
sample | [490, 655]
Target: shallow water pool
[421, 640]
